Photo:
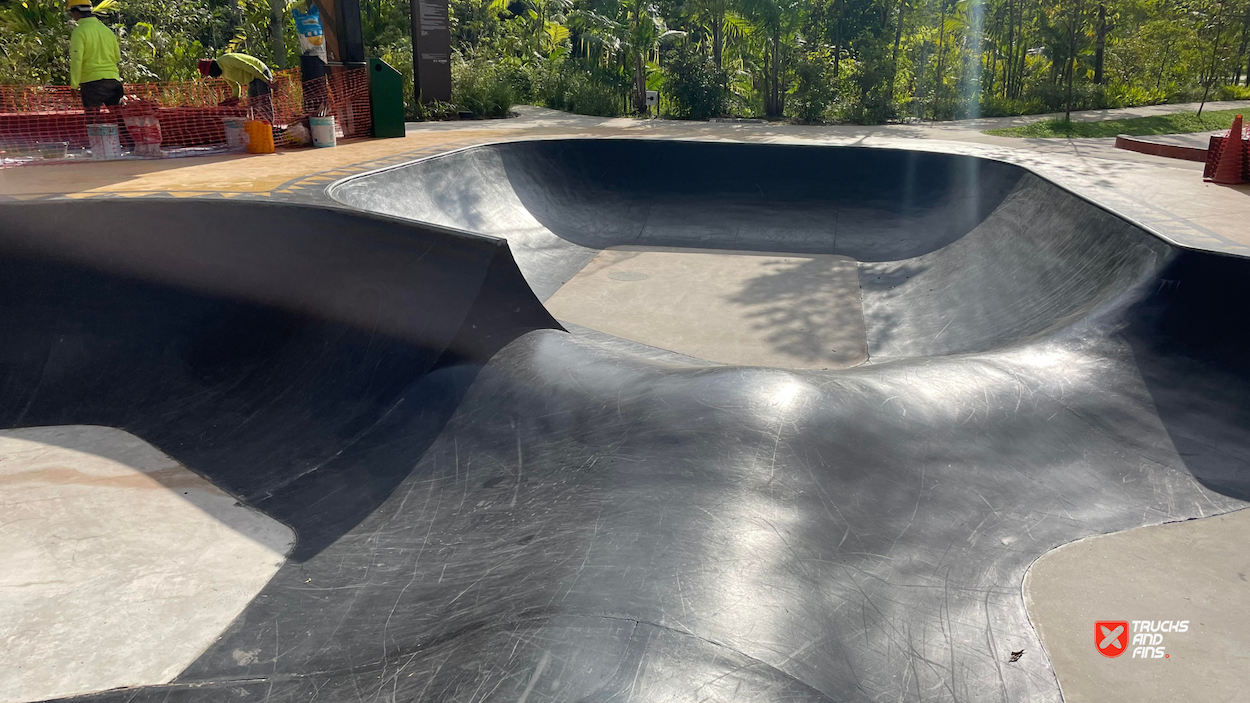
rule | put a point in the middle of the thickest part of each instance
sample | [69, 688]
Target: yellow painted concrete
[241, 173]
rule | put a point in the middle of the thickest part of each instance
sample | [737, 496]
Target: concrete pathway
[1154, 579]
[1197, 140]
[1120, 113]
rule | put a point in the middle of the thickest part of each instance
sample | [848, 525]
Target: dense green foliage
[867, 61]
[160, 39]
[1177, 123]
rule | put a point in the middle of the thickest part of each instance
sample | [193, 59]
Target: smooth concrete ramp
[958, 254]
[490, 508]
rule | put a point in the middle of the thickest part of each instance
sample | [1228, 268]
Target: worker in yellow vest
[243, 70]
[93, 58]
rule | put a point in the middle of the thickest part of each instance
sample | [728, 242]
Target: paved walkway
[1119, 113]
[1165, 195]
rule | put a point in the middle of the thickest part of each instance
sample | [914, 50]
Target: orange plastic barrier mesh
[47, 124]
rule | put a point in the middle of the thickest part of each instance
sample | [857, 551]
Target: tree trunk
[1079, 6]
[1163, 65]
[1241, 51]
[1010, 59]
[768, 88]
[937, 91]
[1216, 45]
[640, 78]
[898, 40]
[775, 108]
[1015, 18]
[1100, 49]
[718, 37]
[837, 38]
[276, 22]
[997, 34]
[1018, 90]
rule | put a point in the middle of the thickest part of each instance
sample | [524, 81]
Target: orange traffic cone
[1232, 157]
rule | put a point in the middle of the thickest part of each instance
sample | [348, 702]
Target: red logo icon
[1111, 637]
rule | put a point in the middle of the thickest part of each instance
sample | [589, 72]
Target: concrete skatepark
[493, 476]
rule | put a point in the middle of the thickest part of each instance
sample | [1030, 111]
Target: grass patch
[1176, 123]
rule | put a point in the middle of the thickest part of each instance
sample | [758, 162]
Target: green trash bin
[386, 99]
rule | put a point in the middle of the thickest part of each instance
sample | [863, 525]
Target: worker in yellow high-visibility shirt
[243, 70]
[93, 58]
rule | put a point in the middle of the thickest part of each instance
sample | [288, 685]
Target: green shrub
[1120, 95]
[1174, 123]
[563, 86]
[1053, 96]
[1233, 92]
[481, 88]
[587, 97]
[873, 101]
[694, 87]
[998, 106]
[814, 88]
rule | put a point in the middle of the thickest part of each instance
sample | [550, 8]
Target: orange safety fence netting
[42, 124]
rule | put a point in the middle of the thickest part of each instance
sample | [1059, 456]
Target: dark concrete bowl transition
[489, 507]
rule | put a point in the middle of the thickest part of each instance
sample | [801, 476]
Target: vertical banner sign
[431, 50]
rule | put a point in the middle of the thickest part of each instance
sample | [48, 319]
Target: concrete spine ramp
[490, 508]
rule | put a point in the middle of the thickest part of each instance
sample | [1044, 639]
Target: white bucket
[236, 135]
[145, 130]
[323, 131]
[105, 143]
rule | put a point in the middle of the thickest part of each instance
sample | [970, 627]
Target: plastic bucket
[146, 131]
[105, 143]
[323, 131]
[259, 137]
[236, 132]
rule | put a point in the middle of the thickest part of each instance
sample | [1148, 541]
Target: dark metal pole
[353, 39]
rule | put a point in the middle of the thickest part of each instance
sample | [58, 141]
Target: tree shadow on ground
[808, 309]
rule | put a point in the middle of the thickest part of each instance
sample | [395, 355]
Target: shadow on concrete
[791, 308]
[1191, 342]
[295, 357]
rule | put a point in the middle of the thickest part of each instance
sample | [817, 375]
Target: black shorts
[258, 87]
[106, 91]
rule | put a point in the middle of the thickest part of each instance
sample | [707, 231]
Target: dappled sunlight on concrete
[783, 310]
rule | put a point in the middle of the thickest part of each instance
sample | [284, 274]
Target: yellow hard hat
[78, 5]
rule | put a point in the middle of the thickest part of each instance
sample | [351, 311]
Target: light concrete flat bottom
[118, 567]
[796, 311]
[1197, 571]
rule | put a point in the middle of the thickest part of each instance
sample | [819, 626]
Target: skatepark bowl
[948, 367]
